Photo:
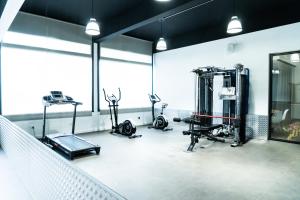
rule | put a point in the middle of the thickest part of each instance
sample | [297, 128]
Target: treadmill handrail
[50, 101]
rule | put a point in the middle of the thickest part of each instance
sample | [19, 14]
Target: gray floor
[157, 166]
[11, 187]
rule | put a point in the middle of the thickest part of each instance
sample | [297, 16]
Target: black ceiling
[140, 18]
[78, 11]
[209, 22]
[2, 5]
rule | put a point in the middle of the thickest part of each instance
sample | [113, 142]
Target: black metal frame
[270, 96]
[203, 106]
[200, 131]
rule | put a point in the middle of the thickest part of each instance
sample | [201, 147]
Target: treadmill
[68, 143]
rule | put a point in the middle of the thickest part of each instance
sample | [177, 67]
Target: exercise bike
[161, 121]
[125, 128]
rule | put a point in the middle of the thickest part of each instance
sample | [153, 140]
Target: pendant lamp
[161, 43]
[92, 28]
[234, 26]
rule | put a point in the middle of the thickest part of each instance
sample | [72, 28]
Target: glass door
[284, 109]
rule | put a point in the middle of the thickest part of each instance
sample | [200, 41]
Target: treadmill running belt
[73, 143]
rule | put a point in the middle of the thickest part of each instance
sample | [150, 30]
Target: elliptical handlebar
[119, 95]
[105, 95]
[107, 98]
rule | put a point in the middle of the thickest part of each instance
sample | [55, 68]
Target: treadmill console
[57, 97]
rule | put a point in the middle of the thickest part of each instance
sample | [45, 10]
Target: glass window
[125, 55]
[133, 79]
[45, 42]
[29, 74]
[285, 97]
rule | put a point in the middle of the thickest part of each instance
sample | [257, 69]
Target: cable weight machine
[234, 95]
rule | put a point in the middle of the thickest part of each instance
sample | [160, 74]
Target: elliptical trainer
[161, 121]
[126, 128]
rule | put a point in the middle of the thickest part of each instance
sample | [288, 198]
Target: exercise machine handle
[119, 95]
[159, 100]
[105, 95]
[107, 98]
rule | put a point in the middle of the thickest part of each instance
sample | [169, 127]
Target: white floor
[157, 166]
[11, 187]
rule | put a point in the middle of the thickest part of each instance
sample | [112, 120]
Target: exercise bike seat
[164, 105]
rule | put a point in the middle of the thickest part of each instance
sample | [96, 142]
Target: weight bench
[201, 131]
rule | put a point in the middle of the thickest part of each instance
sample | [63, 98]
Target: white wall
[174, 81]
